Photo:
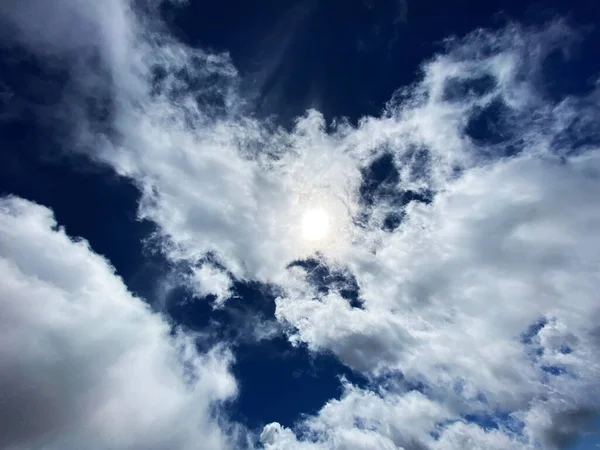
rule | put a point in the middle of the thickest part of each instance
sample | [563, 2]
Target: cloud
[363, 419]
[475, 257]
[82, 360]
[208, 280]
[447, 307]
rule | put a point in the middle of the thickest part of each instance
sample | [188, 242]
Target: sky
[311, 224]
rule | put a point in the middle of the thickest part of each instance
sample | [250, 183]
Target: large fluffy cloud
[450, 300]
[466, 216]
[83, 363]
[458, 300]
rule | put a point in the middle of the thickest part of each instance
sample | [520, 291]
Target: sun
[315, 224]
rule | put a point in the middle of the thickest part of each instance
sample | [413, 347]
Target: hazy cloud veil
[476, 255]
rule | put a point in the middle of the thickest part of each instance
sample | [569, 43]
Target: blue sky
[299, 225]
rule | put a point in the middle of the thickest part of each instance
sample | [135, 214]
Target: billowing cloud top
[466, 215]
[86, 364]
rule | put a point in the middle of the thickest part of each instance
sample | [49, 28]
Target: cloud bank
[84, 363]
[465, 215]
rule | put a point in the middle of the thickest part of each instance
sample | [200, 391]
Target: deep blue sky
[345, 58]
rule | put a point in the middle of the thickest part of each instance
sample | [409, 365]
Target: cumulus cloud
[468, 294]
[466, 214]
[207, 280]
[448, 307]
[83, 362]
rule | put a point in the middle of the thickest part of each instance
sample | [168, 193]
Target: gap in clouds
[286, 381]
[297, 55]
[329, 279]
[391, 190]
[88, 200]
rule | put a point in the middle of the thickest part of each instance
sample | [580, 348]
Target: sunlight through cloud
[315, 224]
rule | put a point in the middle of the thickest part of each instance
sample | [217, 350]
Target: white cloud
[448, 296]
[83, 361]
[365, 420]
[510, 237]
[208, 280]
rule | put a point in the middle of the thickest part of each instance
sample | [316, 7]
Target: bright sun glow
[315, 224]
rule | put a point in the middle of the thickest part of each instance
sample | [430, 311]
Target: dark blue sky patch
[328, 279]
[40, 85]
[100, 110]
[379, 178]
[209, 90]
[380, 186]
[565, 349]
[252, 305]
[407, 196]
[528, 335]
[187, 311]
[457, 89]
[416, 163]
[554, 370]
[566, 73]
[530, 341]
[212, 259]
[89, 201]
[581, 132]
[490, 125]
[32, 81]
[488, 420]
[280, 382]
[393, 221]
[396, 381]
[496, 420]
[344, 61]
[439, 428]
